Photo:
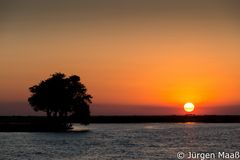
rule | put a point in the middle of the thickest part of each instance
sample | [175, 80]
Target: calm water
[121, 141]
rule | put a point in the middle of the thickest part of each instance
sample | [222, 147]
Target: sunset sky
[140, 57]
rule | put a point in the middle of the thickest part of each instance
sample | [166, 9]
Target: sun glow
[189, 107]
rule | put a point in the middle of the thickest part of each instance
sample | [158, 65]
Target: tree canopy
[61, 96]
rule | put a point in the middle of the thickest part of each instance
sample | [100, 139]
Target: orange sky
[134, 53]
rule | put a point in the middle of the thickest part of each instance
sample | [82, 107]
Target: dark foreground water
[122, 141]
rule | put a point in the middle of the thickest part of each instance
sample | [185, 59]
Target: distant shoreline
[133, 119]
[41, 124]
[167, 119]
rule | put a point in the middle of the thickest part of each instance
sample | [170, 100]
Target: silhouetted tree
[60, 97]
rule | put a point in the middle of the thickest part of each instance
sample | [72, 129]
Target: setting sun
[189, 107]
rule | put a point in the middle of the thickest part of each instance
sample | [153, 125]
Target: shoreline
[130, 119]
[167, 119]
[41, 123]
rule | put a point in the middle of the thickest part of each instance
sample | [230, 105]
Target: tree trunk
[55, 114]
[48, 113]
